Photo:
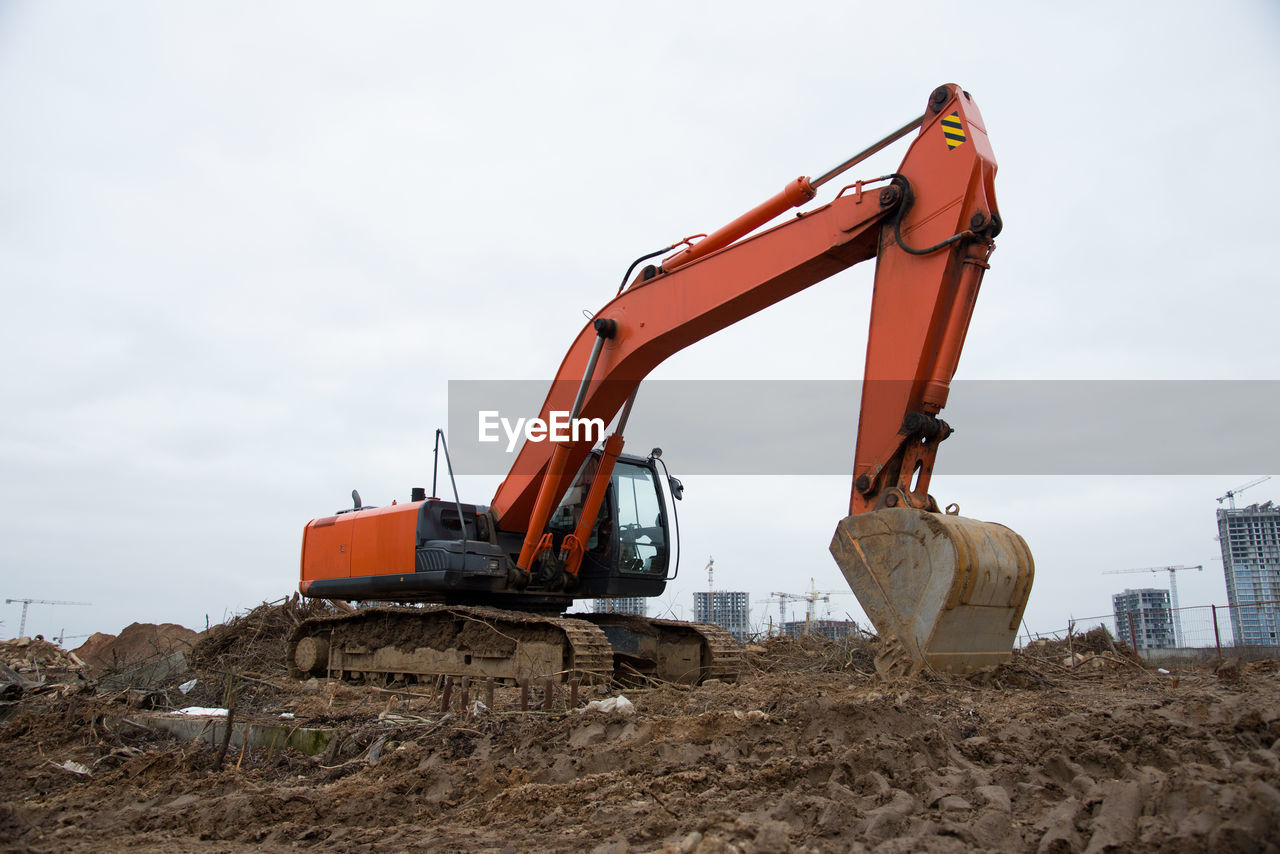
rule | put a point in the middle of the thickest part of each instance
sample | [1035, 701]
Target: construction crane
[1173, 589]
[22, 626]
[781, 600]
[1231, 493]
[809, 598]
[711, 590]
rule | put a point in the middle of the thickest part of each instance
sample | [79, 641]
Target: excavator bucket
[944, 592]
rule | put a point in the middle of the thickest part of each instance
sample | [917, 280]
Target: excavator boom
[930, 226]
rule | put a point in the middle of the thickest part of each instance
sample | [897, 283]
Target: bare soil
[809, 751]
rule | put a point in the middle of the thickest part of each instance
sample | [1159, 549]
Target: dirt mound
[95, 647]
[136, 644]
[809, 752]
[256, 641]
[784, 761]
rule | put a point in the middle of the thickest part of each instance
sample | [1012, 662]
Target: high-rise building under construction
[1250, 539]
[729, 609]
[1144, 618]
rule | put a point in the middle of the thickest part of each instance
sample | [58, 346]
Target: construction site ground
[808, 751]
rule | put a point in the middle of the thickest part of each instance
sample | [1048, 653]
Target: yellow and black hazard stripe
[953, 130]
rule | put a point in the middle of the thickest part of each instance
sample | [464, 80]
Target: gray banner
[793, 427]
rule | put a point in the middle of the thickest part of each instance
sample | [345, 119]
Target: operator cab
[436, 550]
[631, 533]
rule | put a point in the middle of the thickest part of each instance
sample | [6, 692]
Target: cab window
[641, 537]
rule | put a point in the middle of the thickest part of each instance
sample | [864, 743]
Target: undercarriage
[407, 645]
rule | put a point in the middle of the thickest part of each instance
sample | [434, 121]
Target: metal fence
[1250, 630]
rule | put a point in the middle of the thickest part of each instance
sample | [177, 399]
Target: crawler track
[671, 650]
[415, 644]
[412, 644]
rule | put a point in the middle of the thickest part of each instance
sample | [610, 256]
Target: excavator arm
[931, 227]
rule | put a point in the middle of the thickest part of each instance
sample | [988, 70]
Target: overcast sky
[245, 246]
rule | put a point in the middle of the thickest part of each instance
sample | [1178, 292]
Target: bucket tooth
[944, 592]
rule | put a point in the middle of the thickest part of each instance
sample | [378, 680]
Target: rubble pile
[33, 663]
[36, 660]
[36, 656]
[815, 654]
[1095, 649]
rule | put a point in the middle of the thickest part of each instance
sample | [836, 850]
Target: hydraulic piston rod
[797, 193]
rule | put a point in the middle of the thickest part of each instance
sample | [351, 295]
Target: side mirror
[677, 488]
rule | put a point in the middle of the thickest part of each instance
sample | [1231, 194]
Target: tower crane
[1230, 497]
[782, 599]
[809, 598]
[1173, 589]
[22, 625]
[711, 590]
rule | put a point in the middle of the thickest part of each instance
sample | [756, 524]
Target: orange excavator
[488, 584]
